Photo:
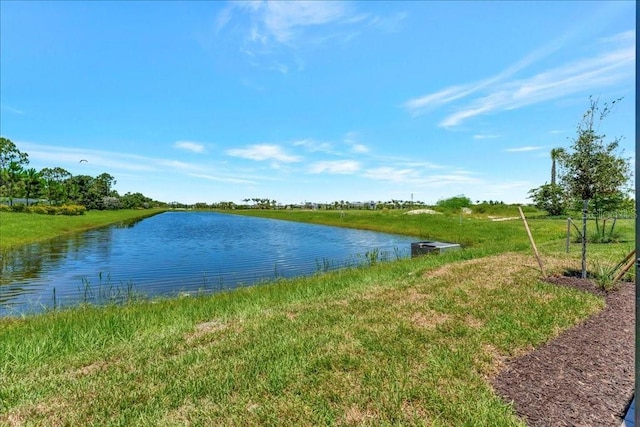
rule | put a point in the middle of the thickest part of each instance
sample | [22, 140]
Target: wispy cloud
[276, 34]
[401, 162]
[126, 164]
[420, 105]
[314, 146]
[281, 20]
[335, 167]
[396, 175]
[422, 165]
[9, 109]
[272, 23]
[351, 139]
[623, 37]
[485, 136]
[50, 156]
[611, 65]
[116, 163]
[196, 147]
[359, 148]
[389, 24]
[176, 165]
[418, 178]
[227, 179]
[523, 149]
[262, 152]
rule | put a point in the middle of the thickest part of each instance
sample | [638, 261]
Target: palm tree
[556, 154]
[13, 175]
[32, 183]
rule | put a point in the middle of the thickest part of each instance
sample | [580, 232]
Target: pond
[180, 252]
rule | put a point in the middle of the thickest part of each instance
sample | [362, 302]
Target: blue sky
[312, 101]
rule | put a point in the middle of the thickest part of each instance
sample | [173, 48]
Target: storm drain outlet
[430, 247]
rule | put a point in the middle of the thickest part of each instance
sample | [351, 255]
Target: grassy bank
[404, 343]
[483, 233]
[470, 230]
[22, 228]
[409, 342]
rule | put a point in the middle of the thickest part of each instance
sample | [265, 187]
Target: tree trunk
[585, 207]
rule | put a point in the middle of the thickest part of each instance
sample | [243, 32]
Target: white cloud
[335, 167]
[390, 24]
[175, 164]
[223, 18]
[356, 147]
[7, 108]
[48, 156]
[623, 37]
[423, 165]
[417, 106]
[196, 147]
[230, 180]
[128, 165]
[281, 19]
[612, 65]
[359, 148]
[386, 173]
[415, 177]
[276, 35]
[451, 179]
[457, 118]
[262, 152]
[522, 149]
[314, 146]
[284, 22]
[587, 74]
[485, 136]
[513, 185]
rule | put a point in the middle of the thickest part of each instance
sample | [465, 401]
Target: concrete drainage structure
[432, 247]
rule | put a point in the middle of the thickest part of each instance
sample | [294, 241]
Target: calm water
[179, 252]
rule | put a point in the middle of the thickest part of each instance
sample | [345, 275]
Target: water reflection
[179, 252]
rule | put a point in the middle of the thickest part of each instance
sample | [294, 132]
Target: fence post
[533, 244]
[585, 207]
[568, 233]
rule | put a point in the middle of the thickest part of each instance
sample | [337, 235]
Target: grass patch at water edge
[23, 228]
[410, 342]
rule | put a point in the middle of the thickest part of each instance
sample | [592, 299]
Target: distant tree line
[56, 186]
[456, 202]
[268, 203]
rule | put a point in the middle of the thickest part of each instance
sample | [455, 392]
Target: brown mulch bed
[584, 377]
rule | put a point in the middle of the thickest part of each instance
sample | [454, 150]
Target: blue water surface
[180, 252]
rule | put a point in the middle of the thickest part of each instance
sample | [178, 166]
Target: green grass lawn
[408, 342]
[22, 228]
[479, 232]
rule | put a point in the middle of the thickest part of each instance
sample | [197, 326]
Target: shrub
[460, 201]
[111, 202]
[56, 210]
[549, 198]
[71, 210]
[603, 276]
[40, 209]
